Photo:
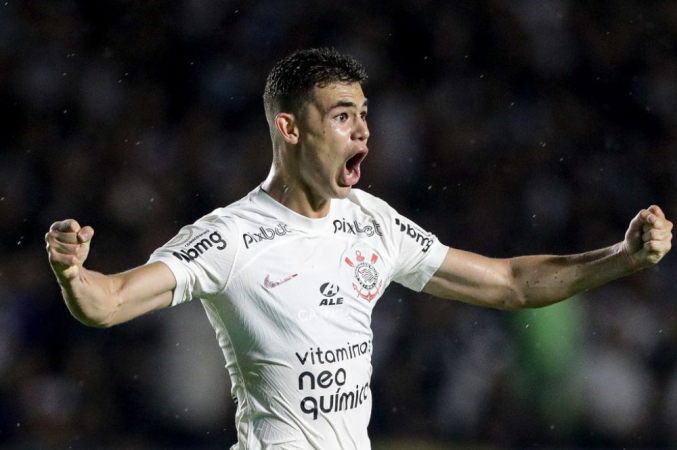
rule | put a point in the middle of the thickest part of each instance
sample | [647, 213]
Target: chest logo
[366, 278]
[273, 284]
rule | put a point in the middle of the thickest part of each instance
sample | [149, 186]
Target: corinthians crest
[366, 279]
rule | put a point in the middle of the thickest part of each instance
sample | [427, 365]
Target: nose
[361, 132]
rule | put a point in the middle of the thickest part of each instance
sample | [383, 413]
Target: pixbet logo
[265, 234]
[329, 290]
[354, 227]
[201, 246]
[417, 235]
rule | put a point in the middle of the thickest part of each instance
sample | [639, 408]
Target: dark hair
[291, 82]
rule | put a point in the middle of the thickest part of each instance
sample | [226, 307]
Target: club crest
[366, 278]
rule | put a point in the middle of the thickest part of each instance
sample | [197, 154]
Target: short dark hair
[291, 82]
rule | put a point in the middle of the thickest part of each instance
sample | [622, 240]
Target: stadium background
[506, 128]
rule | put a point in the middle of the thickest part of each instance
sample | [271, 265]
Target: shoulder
[232, 216]
[370, 204]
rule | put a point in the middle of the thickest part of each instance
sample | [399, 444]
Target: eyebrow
[347, 104]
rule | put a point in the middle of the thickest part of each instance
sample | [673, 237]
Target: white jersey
[290, 299]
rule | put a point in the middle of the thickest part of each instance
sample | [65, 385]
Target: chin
[342, 192]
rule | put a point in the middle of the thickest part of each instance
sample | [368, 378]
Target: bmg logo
[202, 246]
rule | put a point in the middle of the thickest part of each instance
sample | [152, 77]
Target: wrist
[626, 259]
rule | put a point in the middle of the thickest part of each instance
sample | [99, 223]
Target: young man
[289, 275]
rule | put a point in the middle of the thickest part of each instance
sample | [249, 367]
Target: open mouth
[351, 169]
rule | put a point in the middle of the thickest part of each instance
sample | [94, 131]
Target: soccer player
[289, 275]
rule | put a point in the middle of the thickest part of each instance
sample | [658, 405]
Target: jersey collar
[296, 220]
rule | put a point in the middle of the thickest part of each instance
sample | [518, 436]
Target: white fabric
[291, 299]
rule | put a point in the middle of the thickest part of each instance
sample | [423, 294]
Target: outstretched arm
[537, 281]
[103, 300]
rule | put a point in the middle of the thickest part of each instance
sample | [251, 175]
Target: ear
[287, 127]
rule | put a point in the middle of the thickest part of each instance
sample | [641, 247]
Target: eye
[342, 117]
[364, 116]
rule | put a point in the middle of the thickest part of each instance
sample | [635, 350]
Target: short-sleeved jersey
[291, 298]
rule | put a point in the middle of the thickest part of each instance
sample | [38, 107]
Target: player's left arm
[541, 280]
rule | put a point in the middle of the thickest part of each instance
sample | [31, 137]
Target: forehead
[327, 96]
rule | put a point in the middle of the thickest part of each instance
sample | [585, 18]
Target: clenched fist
[648, 238]
[68, 248]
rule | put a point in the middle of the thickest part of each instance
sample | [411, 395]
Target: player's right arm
[100, 300]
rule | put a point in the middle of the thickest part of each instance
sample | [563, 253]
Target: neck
[295, 195]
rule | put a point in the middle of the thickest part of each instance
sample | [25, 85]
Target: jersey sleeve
[201, 257]
[420, 253]
[416, 254]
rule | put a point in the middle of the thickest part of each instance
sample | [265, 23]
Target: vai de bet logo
[367, 284]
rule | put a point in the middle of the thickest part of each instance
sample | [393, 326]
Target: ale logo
[366, 278]
[329, 289]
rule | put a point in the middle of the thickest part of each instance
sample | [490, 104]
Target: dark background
[506, 128]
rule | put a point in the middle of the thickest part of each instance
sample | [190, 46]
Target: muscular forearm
[543, 280]
[100, 300]
[91, 297]
[105, 300]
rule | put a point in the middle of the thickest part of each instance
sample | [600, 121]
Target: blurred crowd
[505, 128]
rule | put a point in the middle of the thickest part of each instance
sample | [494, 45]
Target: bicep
[142, 290]
[473, 278]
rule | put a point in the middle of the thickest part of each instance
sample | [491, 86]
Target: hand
[648, 238]
[68, 248]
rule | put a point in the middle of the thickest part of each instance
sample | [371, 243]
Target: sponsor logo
[181, 238]
[265, 234]
[421, 237]
[367, 284]
[273, 284]
[200, 246]
[354, 227]
[329, 290]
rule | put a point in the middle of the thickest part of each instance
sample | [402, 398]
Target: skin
[309, 168]
[311, 150]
